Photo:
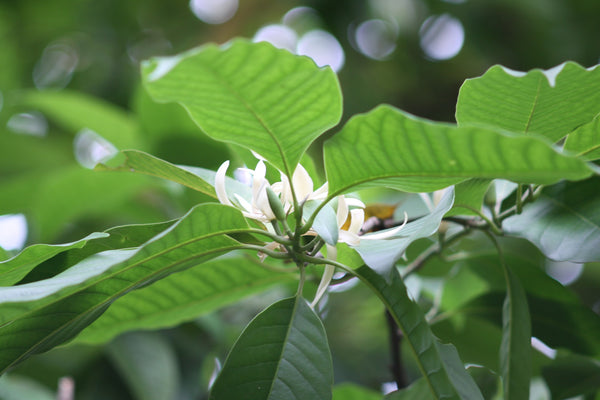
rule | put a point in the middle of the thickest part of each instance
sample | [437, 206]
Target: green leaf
[585, 140]
[550, 103]
[14, 387]
[14, 269]
[350, 391]
[445, 377]
[148, 363]
[417, 390]
[37, 316]
[515, 350]
[570, 375]
[469, 196]
[281, 355]
[76, 111]
[389, 147]
[325, 224]
[183, 296]
[564, 222]
[382, 254]
[200, 179]
[251, 94]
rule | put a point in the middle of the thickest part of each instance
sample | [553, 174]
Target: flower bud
[275, 204]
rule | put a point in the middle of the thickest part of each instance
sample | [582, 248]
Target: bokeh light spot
[214, 11]
[323, 48]
[279, 36]
[13, 231]
[564, 271]
[91, 148]
[31, 123]
[442, 37]
[376, 38]
[56, 66]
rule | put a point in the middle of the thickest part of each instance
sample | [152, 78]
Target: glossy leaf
[446, 377]
[251, 94]
[325, 223]
[381, 255]
[550, 103]
[76, 111]
[148, 364]
[183, 296]
[570, 375]
[14, 269]
[515, 350]
[585, 140]
[281, 355]
[15, 387]
[564, 222]
[37, 316]
[411, 154]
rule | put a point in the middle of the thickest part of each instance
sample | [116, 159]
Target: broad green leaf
[76, 111]
[444, 378]
[199, 179]
[417, 390]
[388, 147]
[37, 316]
[15, 387]
[183, 296]
[250, 94]
[148, 363]
[14, 269]
[469, 196]
[564, 222]
[281, 355]
[550, 103]
[570, 375]
[382, 254]
[515, 350]
[350, 391]
[585, 140]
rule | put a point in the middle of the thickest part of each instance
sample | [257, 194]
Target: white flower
[259, 208]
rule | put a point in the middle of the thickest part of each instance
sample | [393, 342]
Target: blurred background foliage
[69, 71]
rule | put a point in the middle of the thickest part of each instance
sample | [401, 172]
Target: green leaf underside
[585, 140]
[564, 222]
[529, 103]
[381, 255]
[446, 378]
[183, 296]
[148, 364]
[14, 269]
[325, 224]
[515, 349]
[281, 355]
[76, 111]
[416, 155]
[469, 196]
[251, 94]
[38, 316]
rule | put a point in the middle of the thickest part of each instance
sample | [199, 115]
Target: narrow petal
[386, 234]
[303, 184]
[262, 202]
[257, 179]
[357, 218]
[325, 280]
[351, 201]
[349, 238]
[220, 184]
[320, 193]
[342, 211]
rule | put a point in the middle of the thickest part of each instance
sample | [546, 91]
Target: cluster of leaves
[259, 98]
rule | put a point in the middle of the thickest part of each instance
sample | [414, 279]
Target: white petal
[257, 179]
[357, 218]
[386, 234]
[325, 280]
[262, 202]
[220, 184]
[342, 211]
[303, 184]
[354, 202]
[286, 191]
[258, 156]
[349, 238]
[243, 203]
[320, 193]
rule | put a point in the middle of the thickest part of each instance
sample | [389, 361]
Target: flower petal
[303, 184]
[342, 211]
[386, 234]
[357, 218]
[325, 280]
[220, 184]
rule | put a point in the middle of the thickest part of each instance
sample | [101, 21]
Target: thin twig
[396, 367]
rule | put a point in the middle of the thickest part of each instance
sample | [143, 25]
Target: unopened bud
[275, 204]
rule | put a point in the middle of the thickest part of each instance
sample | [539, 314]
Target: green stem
[275, 238]
[302, 279]
[519, 203]
[481, 215]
